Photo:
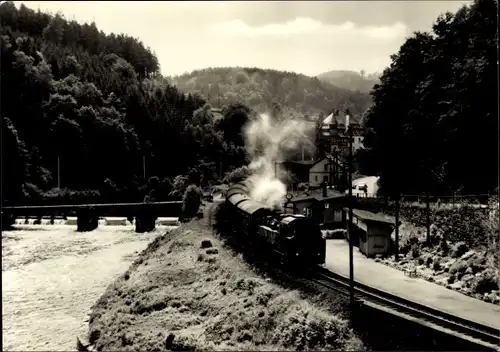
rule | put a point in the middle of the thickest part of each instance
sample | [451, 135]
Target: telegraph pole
[58, 173]
[349, 224]
[396, 234]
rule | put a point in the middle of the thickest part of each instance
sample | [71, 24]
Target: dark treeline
[95, 107]
[94, 110]
[433, 126]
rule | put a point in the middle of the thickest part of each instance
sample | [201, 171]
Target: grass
[188, 291]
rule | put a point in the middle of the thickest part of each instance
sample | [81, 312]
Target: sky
[307, 37]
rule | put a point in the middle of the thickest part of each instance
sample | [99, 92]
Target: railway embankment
[188, 291]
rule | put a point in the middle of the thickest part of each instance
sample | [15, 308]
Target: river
[52, 275]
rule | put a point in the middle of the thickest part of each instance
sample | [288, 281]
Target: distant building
[217, 113]
[324, 205]
[333, 129]
[312, 172]
[319, 172]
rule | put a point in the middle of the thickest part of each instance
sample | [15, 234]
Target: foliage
[237, 175]
[191, 201]
[92, 111]
[351, 80]
[275, 92]
[433, 124]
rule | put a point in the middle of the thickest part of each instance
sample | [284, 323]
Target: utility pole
[58, 173]
[396, 252]
[349, 224]
[428, 215]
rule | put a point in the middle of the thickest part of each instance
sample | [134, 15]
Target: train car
[295, 238]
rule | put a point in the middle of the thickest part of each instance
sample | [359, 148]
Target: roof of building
[317, 195]
[217, 113]
[302, 162]
[369, 216]
[339, 118]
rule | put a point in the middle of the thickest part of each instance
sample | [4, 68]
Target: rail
[480, 334]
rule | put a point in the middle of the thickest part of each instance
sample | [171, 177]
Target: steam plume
[267, 142]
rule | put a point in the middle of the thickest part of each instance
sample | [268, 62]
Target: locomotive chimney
[324, 190]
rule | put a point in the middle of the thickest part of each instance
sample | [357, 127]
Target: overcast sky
[307, 37]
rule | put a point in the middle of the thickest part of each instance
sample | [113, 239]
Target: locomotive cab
[304, 240]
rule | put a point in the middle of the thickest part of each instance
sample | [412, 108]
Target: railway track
[482, 335]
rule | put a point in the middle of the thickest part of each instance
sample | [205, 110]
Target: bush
[436, 265]
[415, 251]
[464, 224]
[491, 229]
[237, 175]
[58, 196]
[206, 244]
[191, 201]
[487, 282]
[458, 249]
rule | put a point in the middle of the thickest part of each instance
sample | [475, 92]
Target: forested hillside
[434, 123]
[351, 80]
[278, 92]
[96, 105]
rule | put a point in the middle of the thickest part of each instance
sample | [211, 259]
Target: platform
[418, 290]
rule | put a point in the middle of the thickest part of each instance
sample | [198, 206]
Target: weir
[87, 215]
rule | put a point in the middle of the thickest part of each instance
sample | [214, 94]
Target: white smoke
[268, 142]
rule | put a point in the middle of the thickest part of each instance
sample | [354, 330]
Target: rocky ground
[467, 273]
[471, 271]
[188, 290]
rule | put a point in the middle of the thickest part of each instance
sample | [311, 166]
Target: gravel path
[52, 275]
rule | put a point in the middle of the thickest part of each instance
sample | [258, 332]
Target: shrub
[206, 243]
[191, 201]
[458, 249]
[238, 174]
[487, 282]
[415, 251]
[464, 224]
[491, 228]
[57, 196]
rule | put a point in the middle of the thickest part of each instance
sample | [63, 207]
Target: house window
[315, 178]
[325, 178]
[325, 167]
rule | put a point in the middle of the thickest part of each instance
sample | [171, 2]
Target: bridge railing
[145, 214]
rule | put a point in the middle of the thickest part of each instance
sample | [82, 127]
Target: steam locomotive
[294, 238]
